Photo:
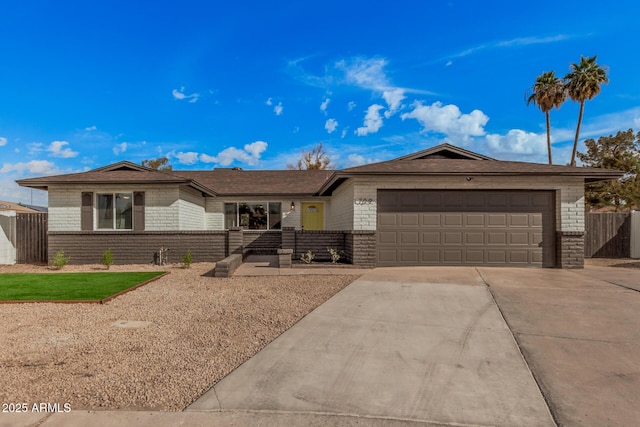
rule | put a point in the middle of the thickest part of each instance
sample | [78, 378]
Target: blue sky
[251, 84]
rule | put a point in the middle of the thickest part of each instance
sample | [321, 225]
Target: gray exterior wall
[138, 247]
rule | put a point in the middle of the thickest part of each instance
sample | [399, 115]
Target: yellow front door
[312, 216]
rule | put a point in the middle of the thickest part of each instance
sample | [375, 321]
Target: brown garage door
[418, 227]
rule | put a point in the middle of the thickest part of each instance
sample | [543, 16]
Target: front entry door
[312, 216]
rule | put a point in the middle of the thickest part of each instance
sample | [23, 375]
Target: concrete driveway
[580, 333]
[397, 345]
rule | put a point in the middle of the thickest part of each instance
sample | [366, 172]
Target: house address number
[364, 201]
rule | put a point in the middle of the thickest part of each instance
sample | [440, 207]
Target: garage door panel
[475, 200]
[474, 256]
[519, 220]
[518, 257]
[409, 237]
[431, 237]
[452, 237]
[409, 219]
[452, 256]
[519, 238]
[388, 237]
[474, 237]
[387, 256]
[430, 256]
[408, 255]
[408, 201]
[496, 238]
[452, 220]
[496, 256]
[387, 219]
[459, 227]
[496, 220]
[519, 200]
[452, 200]
[430, 200]
[474, 220]
[430, 219]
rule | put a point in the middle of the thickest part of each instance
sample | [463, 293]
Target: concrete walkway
[406, 344]
[267, 265]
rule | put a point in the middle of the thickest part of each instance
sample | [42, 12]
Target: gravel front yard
[200, 328]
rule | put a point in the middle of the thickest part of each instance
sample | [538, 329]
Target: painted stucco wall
[569, 194]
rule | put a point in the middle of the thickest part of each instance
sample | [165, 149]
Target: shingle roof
[231, 182]
[444, 160]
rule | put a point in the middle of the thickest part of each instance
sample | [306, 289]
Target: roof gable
[124, 166]
[444, 151]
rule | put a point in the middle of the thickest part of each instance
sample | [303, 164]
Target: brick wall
[261, 240]
[138, 247]
[317, 241]
[570, 249]
[191, 210]
[360, 247]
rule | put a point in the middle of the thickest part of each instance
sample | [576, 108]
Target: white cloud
[278, 109]
[3, 141]
[448, 120]
[517, 141]
[57, 149]
[250, 154]
[448, 64]
[367, 73]
[358, 160]
[180, 95]
[344, 132]
[324, 105]
[188, 158]
[351, 105]
[120, 148]
[394, 99]
[35, 147]
[90, 128]
[517, 42]
[372, 121]
[331, 125]
[34, 167]
[269, 101]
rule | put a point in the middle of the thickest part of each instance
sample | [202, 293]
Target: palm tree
[547, 92]
[582, 83]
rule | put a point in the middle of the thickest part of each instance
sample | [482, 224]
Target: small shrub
[59, 260]
[335, 255]
[107, 258]
[187, 259]
[307, 257]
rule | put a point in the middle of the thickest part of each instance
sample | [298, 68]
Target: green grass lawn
[68, 286]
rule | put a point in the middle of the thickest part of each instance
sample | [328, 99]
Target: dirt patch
[197, 329]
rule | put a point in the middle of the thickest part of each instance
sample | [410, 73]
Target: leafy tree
[316, 158]
[583, 83]
[547, 92]
[161, 164]
[621, 152]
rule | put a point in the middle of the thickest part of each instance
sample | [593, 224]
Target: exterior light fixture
[293, 206]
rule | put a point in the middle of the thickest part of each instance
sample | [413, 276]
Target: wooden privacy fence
[31, 238]
[607, 235]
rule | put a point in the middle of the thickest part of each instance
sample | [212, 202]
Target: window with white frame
[114, 211]
[253, 215]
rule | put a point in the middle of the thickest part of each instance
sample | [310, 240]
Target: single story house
[440, 206]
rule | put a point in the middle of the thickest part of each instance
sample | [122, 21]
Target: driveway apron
[419, 344]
